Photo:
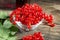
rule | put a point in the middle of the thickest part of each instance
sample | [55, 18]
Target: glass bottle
[20, 3]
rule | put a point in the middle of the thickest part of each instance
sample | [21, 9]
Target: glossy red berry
[52, 25]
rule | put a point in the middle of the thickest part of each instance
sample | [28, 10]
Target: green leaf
[2, 39]
[11, 38]
[7, 24]
[13, 30]
[13, 33]
[4, 33]
[6, 29]
[3, 14]
[0, 25]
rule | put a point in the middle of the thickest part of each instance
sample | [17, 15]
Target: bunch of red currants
[30, 14]
[35, 36]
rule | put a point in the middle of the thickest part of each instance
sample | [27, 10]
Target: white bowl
[21, 26]
[24, 27]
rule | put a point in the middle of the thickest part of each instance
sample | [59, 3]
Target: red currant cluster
[49, 19]
[30, 15]
[35, 36]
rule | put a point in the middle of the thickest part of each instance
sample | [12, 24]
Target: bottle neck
[20, 3]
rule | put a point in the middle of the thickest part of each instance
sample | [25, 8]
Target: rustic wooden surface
[48, 33]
